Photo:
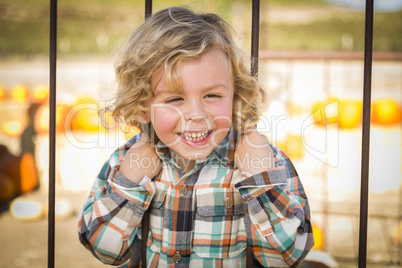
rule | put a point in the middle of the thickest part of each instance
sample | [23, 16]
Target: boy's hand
[254, 153]
[140, 160]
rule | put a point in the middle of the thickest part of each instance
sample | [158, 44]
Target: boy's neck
[186, 165]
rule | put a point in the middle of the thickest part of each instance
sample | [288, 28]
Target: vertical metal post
[368, 51]
[145, 218]
[148, 8]
[255, 40]
[255, 36]
[52, 132]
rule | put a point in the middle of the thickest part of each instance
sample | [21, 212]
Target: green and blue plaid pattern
[206, 225]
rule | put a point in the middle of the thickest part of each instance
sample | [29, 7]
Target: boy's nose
[195, 117]
[195, 112]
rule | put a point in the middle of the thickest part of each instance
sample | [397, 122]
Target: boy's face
[193, 120]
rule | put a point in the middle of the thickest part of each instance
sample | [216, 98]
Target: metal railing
[52, 132]
[364, 186]
[254, 71]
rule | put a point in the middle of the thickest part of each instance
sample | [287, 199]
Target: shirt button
[177, 257]
[228, 204]
[183, 190]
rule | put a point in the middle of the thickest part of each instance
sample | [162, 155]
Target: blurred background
[311, 63]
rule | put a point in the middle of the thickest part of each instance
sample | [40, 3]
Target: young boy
[212, 184]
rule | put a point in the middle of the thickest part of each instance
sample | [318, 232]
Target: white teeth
[195, 136]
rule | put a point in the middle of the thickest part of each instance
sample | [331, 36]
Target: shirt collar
[223, 152]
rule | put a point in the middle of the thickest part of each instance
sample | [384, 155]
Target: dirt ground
[24, 244]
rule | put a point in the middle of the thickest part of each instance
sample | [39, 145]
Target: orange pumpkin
[29, 177]
[12, 128]
[347, 113]
[386, 112]
[292, 146]
[85, 118]
[3, 93]
[350, 113]
[20, 170]
[323, 112]
[20, 93]
[84, 115]
[41, 120]
[318, 238]
[40, 94]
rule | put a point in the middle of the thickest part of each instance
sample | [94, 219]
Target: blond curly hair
[168, 38]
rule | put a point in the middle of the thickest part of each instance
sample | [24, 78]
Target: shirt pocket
[219, 230]
[156, 217]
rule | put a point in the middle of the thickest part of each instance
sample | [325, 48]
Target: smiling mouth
[199, 136]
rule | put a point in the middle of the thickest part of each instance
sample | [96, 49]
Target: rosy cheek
[165, 119]
[223, 121]
[223, 115]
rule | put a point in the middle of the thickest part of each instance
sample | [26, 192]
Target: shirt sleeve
[279, 213]
[109, 222]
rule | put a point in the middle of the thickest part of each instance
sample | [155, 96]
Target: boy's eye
[212, 96]
[175, 99]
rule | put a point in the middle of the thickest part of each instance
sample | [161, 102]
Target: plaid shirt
[200, 219]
